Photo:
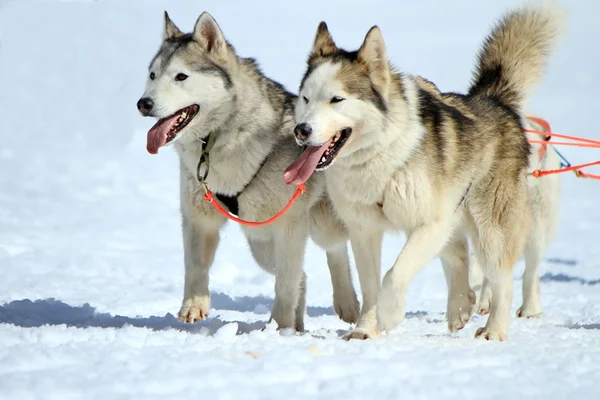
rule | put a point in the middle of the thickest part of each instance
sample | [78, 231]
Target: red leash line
[538, 173]
[208, 196]
[583, 142]
[590, 145]
[561, 136]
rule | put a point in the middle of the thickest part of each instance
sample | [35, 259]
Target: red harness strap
[579, 142]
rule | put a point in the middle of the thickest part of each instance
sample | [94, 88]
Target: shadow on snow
[33, 314]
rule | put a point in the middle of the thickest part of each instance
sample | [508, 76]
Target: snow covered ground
[91, 268]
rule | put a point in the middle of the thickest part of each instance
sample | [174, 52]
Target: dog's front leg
[422, 245]
[200, 241]
[290, 289]
[366, 246]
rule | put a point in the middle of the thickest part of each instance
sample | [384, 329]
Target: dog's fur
[544, 198]
[442, 167]
[252, 118]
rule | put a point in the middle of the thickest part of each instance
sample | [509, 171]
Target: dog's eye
[305, 99]
[181, 77]
[152, 75]
[336, 99]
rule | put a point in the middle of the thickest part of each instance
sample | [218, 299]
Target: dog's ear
[374, 55]
[323, 44]
[171, 30]
[210, 37]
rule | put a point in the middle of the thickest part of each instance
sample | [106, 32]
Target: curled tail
[513, 56]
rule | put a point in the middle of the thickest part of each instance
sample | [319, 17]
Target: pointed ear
[208, 35]
[171, 30]
[323, 44]
[374, 55]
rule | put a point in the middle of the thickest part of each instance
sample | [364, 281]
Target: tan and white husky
[442, 167]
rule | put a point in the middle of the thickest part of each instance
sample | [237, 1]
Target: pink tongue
[304, 166]
[157, 135]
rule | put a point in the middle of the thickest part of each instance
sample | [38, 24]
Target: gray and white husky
[199, 87]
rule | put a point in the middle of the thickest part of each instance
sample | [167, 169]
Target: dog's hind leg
[502, 230]
[301, 306]
[289, 247]
[531, 306]
[461, 298]
[263, 252]
[499, 274]
[544, 200]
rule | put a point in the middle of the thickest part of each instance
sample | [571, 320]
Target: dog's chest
[355, 194]
[398, 200]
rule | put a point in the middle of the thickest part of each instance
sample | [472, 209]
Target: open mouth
[167, 129]
[316, 158]
[335, 145]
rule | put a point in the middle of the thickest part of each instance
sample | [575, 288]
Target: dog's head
[188, 83]
[343, 96]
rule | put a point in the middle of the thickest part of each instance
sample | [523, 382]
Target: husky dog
[544, 198]
[442, 167]
[198, 87]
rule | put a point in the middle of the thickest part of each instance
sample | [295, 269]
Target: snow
[90, 246]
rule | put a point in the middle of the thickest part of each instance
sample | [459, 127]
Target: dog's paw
[361, 334]
[346, 306]
[285, 315]
[194, 309]
[460, 309]
[529, 311]
[491, 334]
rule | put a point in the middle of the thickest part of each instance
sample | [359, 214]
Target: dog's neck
[244, 138]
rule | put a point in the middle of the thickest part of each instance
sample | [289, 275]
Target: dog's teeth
[336, 138]
[323, 159]
[183, 114]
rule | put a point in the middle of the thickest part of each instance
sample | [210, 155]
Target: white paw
[285, 315]
[194, 309]
[390, 307]
[529, 311]
[491, 334]
[460, 309]
[346, 306]
[361, 334]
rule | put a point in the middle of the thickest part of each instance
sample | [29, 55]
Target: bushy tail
[513, 56]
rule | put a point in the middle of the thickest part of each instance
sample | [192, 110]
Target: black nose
[145, 105]
[303, 131]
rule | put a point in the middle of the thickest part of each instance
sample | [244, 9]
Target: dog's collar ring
[201, 176]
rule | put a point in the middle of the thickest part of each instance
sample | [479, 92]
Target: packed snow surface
[91, 259]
